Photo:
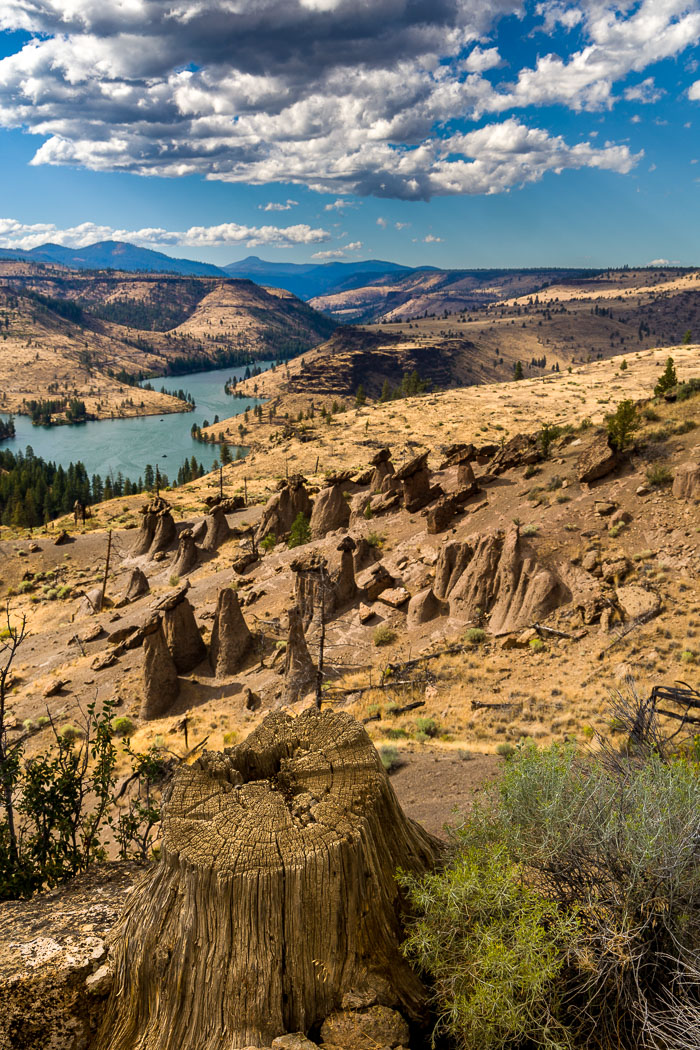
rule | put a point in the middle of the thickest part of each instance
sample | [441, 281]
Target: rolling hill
[112, 255]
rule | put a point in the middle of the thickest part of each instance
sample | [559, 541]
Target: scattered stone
[643, 490]
[121, 634]
[596, 461]
[101, 663]
[230, 638]
[243, 561]
[616, 569]
[604, 507]
[92, 633]
[62, 539]
[375, 1026]
[161, 685]
[366, 613]
[589, 562]
[53, 688]
[621, 517]
[34, 548]
[394, 596]
[293, 1041]
[638, 603]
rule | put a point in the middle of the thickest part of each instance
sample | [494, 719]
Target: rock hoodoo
[187, 554]
[230, 638]
[280, 856]
[217, 529]
[416, 490]
[499, 577]
[182, 635]
[160, 682]
[313, 590]
[343, 577]
[283, 507]
[137, 585]
[299, 670]
[157, 531]
[331, 510]
[382, 477]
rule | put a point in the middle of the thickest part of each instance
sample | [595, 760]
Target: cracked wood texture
[275, 899]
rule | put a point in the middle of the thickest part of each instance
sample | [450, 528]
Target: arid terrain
[489, 691]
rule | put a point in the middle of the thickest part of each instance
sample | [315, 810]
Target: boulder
[686, 483]
[637, 603]
[187, 554]
[441, 514]
[616, 568]
[283, 508]
[331, 511]
[605, 507]
[52, 951]
[424, 607]
[251, 700]
[161, 686]
[243, 561]
[182, 636]
[299, 671]
[522, 450]
[395, 597]
[62, 538]
[597, 460]
[621, 517]
[458, 454]
[217, 530]
[374, 580]
[375, 1026]
[137, 585]
[230, 638]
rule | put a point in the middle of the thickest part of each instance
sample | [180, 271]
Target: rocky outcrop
[299, 671]
[182, 636]
[686, 483]
[53, 981]
[161, 686]
[217, 530]
[499, 577]
[187, 554]
[331, 511]
[458, 453]
[597, 460]
[283, 508]
[231, 640]
[157, 531]
[520, 451]
[366, 554]
[441, 514]
[137, 585]
[637, 603]
[416, 490]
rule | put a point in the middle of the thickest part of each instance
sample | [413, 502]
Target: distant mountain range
[304, 280]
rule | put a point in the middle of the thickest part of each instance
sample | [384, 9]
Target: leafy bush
[570, 912]
[667, 380]
[659, 475]
[375, 540]
[428, 726]
[122, 725]
[300, 532]
[536, 645]
[269, 542]
[476, 635]
[621, 425]
[530, 530]
[390, 757]
[384, 635]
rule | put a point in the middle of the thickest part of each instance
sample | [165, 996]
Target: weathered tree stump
[275, 897]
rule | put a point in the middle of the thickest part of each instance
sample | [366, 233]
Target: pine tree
[668, 380]
[518, 370]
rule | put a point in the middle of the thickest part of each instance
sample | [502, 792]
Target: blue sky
[448, 132]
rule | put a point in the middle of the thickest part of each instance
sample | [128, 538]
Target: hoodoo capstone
[157, 531]
[161, 686]
[187, 554]
[182, 635]
[275, 897]
[217, 529]
[283, 507]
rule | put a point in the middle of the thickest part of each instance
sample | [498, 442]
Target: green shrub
[384, 635]
[429, 726]
[25, 587]
[621, 425]
[368, 513]
[536, 645]
[230, 738]
[659, 475]
[396, 733]
[69, 733]
[174, 580]
[65, 591]
[667, 380]
[688, 656]
[375, 540]
[569, 914]
[300, 532]
[505, 750]
[530, 530]
[476, 635]
[268, 542]
[390, 757]
[122, 725]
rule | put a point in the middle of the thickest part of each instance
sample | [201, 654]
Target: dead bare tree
[9, 751]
